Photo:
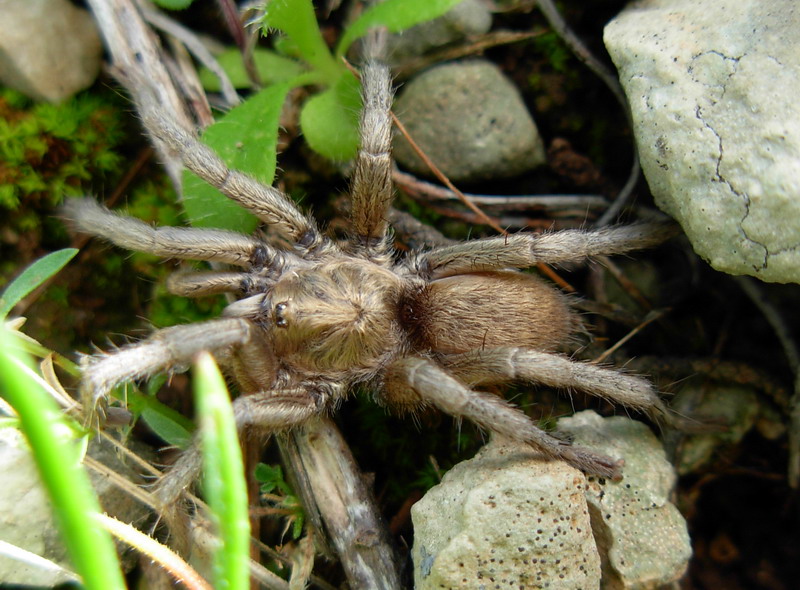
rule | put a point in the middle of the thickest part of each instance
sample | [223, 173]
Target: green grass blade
[33, 276]
[224, 481]
[74, 502]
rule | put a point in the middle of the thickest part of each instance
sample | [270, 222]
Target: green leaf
[174, 4]
[296, 18]
[170, 425]
[272, 68]
[246, 139]
[56, 455]
[329, 120]
[271, 478]
[396, 16]
[224, 481]
[33, 276]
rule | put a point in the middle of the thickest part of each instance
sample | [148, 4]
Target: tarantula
[319, 317]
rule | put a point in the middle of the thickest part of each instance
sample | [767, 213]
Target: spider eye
[280, 321]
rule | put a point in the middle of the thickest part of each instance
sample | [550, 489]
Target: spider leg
[504, 364]
[200, 284]
[168, 242]
[163, 351]
[264, 413]
[265, 202]
[526, 249]
[371, 191]
[429, 383]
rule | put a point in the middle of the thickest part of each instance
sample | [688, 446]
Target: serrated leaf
[272, 68]
[33, 276]
[396, 16]
[329, 120]
[296, 18]
[246, 139]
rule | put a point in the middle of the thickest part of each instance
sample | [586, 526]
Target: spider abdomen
[485, 310]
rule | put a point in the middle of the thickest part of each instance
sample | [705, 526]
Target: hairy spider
[319, 317]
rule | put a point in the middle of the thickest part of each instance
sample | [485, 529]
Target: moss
[49, 151]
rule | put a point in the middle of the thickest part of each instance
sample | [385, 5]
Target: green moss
[48, 151]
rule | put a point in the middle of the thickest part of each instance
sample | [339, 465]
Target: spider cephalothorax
[320, 317]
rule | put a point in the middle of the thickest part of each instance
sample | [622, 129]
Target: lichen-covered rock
[735, 406]
[505, 519]
[713, 91]
[642, 537]
[470, 120]
[49, 49]
[509, 519]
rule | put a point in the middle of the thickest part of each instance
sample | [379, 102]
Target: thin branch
[790, 349]
[198, 49]
[553, 204]
[473, 46]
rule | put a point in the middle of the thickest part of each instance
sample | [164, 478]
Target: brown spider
[320, 317]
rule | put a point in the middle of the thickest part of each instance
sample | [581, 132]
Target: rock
[713, 90]
[26, 517]
[49, 49]
[735, 406]
[510, 519]
[643, 539]
[468, 18]
[506, 519]
[470, 120]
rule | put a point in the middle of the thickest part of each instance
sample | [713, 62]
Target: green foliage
[272, 68]
[246, 138]
[329, 120]
[272, 482]
[33, 276]
[174, 4]
[396, 16]
[555, 51]
[47, 150]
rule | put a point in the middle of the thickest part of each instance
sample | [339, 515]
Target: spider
[319, 317]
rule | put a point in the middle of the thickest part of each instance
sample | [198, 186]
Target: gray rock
[470, 120]
[468, 18]
[642, 537]
[508, 519]
[49, 49]
[713, 89]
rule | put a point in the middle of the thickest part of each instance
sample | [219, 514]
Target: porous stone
[713, 90]
[49, 49]
[505, 519]
[465, 19]
[642, 537]
[508, 518]
[470, 120]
